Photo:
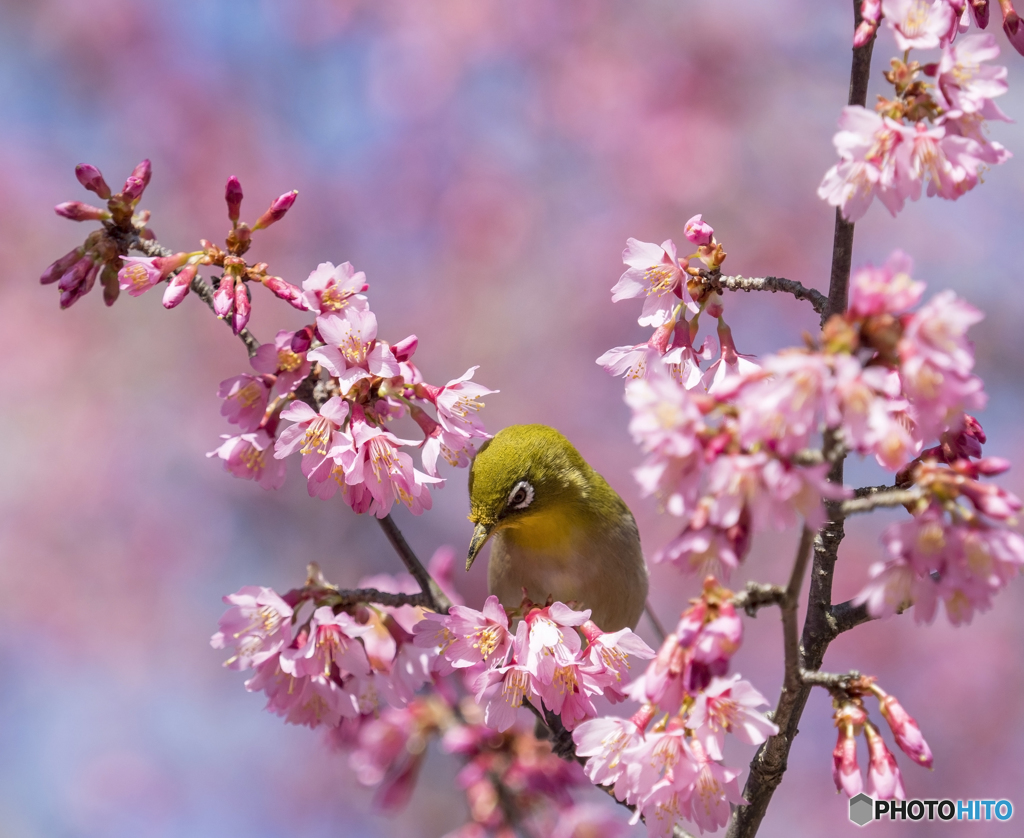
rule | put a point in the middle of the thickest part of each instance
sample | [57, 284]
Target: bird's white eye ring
[521, 495]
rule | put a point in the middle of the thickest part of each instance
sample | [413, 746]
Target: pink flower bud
[697, 231]
[72, 294]
[179, 286]
[302, 340]
[77, 211]
[286, 291]
[277, 210]
[405, 348]
[233, 196]
[979, 8]
[61, 266]
[75, 276]
[242, 307]
[1012, 26]
[884, 779]
[143, 172]
[224, 296]
[111, 285]
[865, 32]
[133, 189]
[907, 733]
[845, 771]
[92, 179]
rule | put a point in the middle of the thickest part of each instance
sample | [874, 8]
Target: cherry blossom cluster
[362, 673]
[334, 383]
[337, 663]
[543, 662]
[931, 134]
[884, 779]
[669, 285]
[364, 383]
[729, 449]
[666, 760]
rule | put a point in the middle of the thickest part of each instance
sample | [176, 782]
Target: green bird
[558, 529]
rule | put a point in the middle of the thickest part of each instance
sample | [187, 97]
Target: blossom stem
[198, 285]
[436, 597]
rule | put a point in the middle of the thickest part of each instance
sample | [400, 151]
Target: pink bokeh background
[484, 163]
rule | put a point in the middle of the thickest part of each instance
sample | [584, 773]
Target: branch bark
[774, 284]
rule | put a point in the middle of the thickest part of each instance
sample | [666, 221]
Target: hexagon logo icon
[862, 809]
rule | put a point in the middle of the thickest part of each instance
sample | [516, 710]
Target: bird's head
[523, 472]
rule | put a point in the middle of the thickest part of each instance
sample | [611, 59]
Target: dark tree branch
[717, 282]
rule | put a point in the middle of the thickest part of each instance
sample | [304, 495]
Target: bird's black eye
[521, 495]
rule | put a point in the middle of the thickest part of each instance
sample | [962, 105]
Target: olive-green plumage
[557, 528]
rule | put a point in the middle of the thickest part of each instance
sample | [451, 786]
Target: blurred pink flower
[249, 456]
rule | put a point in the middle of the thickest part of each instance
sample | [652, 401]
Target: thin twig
[829, 680]
[437, 599]
[354, 596]
[889, 497]
[717, 282]
[791, 641]
[659, 629]
[757, 596]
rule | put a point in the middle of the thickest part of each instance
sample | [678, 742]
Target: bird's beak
[480, 536]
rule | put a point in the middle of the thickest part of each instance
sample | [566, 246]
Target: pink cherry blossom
[386, 472]
[258, 626]
[473, 637]
[727, 705]
[918, 24]
[605, 742]
[729, 366]
[714, 789]
[698, 231]
[280, 360]
[140, 273]
[458, 403]
[334, 289]
[245, 400]
[786, 406]
[889, 289]
[352, 353]
[500, 692]
[963, 82]
[331, 643]
[867, 144]
[655, 273]
[249, 456]
[310, 701]
[313, 434]
[607, 657]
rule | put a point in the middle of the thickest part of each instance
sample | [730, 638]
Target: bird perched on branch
[558, 529]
